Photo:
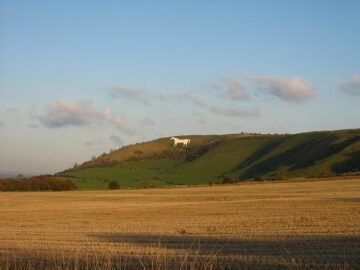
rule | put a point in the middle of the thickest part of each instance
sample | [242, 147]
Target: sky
[78, 78]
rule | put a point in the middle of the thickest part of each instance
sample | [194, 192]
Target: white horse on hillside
[185, 142]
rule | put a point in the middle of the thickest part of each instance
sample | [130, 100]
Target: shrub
[282, 172]
[326, 172]
[145, 184]
[133, 158]
[258, 178]
[228, 180]
[114, 185]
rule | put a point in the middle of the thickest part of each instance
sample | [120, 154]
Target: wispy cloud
[131, 93]
[202, 121]
[221, 110]
[116, 140]
[172, 97]
[92, 143]
[294, 89]
[235, 111]
[2, 124]
[64, 114]
[235, 90]
[118, 121]
[147, 122]
[12, 111]
[33, 125]
[143, 96]
[352, 86]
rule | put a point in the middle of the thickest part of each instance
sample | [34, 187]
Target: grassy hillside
[212, 157]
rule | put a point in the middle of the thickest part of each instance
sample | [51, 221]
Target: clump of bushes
[145, 184]
[114, 185]
[229, 180]
[258, 178]
[36, 183]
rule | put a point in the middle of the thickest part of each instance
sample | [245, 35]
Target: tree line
[36, 183]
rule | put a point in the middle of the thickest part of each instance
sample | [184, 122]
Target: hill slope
[209, 158]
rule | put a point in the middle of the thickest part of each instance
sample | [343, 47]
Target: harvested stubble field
[310, 224]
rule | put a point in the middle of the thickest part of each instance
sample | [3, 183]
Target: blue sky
[78, 78]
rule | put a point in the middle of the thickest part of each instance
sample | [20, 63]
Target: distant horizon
[7, 174]
[81, 78]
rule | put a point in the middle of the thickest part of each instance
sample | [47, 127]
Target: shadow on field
[330, 249]
[203, 253]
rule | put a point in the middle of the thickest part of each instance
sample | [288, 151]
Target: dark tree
[114, 185]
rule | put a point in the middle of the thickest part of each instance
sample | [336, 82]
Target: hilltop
[211, 158]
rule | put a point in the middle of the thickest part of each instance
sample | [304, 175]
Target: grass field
[312, 224]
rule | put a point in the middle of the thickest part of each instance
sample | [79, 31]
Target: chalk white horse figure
[185, 142]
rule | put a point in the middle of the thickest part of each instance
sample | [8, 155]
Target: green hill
[210, 158]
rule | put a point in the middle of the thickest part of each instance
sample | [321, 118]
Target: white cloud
[351, 87]
[294, 89]
[235, 90]
[63, 114]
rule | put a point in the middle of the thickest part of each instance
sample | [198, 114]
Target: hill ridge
[209, 158]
